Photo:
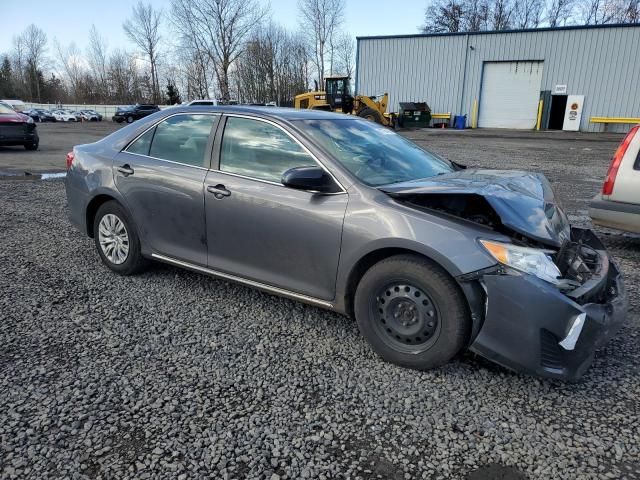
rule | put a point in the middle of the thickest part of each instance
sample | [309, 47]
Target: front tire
[371, 115]
[116, 239]
[411, 312]
[32, 145]
[129, 119]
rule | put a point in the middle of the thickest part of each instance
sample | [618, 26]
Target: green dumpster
[414, 114]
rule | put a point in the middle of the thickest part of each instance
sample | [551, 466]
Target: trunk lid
[524, 201]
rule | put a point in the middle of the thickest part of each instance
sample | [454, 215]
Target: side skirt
[244, 281]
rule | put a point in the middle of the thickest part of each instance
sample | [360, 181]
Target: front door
[259, 229]
[161, 178]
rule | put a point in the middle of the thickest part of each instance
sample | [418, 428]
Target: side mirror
[313, 179]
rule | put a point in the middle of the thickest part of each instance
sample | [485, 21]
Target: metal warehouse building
[497, 79]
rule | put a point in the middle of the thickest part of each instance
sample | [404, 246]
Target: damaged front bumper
[531, 326]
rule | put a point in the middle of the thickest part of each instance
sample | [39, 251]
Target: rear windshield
[373, 153]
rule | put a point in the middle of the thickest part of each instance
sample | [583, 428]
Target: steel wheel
[113, 238]
[407, 319]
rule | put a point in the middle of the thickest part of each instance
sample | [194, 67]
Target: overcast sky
[71, 20]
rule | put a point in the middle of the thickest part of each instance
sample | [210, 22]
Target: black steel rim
[405, 317]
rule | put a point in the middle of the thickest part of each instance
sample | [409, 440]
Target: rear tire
[371, 115]
[411, 312]
[113, 230]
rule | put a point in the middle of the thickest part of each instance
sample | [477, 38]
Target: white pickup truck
[618, 205]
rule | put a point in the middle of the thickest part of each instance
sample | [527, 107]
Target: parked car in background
[205, 102]
[618, 204]
[91, 116]
[64, 116]
[36, 115]
[47, 115]
[78, 115]
[430, 257]
[17, 128]
[132, 113]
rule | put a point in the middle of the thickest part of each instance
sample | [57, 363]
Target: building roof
[492, 32]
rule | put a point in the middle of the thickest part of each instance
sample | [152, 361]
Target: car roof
[282, 113]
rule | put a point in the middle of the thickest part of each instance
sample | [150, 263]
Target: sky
[70, 20]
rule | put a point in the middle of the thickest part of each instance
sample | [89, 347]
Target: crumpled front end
[535, 327]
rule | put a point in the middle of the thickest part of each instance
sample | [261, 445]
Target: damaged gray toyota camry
[430, 257]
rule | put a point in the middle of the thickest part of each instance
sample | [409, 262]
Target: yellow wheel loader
[337, 98]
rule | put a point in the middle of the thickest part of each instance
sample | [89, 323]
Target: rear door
[259, 229]
[161, 176]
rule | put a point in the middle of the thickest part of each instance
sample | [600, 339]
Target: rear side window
[142, 144]
[257, 149]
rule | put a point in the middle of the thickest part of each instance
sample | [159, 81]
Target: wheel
[371, 115]
[31, 145]
[411, 312]
[129, 119]
[116, 239]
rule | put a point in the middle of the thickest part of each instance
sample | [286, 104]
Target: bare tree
[476, 15]
[630, 12]
[527, 13]
[34, 41]
[501, 12]
[595, 12]
[143, 29]
[558, 12]
[70, 62]
[219, 29]
[345, 53]
[97, 57]
[444, 16]
[320, 20]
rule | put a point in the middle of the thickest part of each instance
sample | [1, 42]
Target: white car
[64, 116]
[88, 116]
[618, 205]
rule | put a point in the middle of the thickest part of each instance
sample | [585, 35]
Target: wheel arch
[92, 208]
[472, 292]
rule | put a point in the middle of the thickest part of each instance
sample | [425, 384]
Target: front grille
[13, 130]
[550, 351]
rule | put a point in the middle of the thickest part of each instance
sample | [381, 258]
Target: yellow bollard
[539, 122]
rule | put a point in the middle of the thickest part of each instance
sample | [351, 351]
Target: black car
[39, 115]
[134, 112]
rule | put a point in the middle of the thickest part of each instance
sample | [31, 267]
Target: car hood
[13, 118]
[524, 201]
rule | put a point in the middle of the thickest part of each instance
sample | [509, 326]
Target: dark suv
[133, 112]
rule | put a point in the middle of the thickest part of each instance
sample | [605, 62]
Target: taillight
[70, 157]
[607, 188]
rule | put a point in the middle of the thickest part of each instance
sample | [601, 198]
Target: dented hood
[524, 201]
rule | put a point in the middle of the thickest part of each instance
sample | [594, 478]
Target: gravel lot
[172, 374]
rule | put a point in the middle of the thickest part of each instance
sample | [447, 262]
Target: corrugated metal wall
[603, 64]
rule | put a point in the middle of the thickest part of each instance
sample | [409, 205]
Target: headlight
[529, 260]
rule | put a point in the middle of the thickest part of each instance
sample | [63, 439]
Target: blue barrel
[460, 122]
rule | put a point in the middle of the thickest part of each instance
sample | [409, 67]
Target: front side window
[374, 154]
[257, 149]
[182, 139]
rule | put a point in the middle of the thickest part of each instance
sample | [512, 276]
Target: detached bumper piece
[533, 327]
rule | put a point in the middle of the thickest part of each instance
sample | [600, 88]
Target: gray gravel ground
[172, 374]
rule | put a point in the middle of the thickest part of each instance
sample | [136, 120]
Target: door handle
[125, 169]
[219, 191]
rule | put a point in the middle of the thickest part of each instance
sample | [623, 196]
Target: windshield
[6, 109]
[373, 153]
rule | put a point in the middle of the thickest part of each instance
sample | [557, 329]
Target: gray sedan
[429, 257]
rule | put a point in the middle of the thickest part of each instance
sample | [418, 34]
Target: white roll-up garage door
[510, 95]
